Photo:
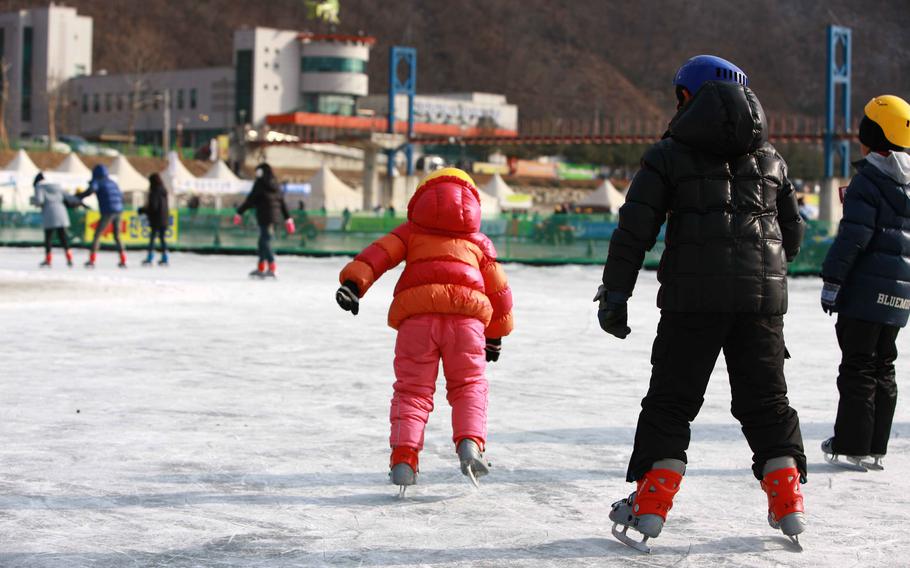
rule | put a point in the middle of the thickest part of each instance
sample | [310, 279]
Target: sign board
[133, 228]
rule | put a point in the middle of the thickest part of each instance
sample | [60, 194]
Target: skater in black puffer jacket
[867, 281]
[732, 225]
[266, 198]
[158, 214]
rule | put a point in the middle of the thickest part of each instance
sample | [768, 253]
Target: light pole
[166, 131]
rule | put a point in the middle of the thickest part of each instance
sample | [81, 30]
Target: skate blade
[873, 466]
[472, 477]
[402, 492]
[622, 537]
[848, 465]
[794, 540]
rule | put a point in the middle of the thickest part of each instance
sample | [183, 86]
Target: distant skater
[452, 303]
[52, 200]
[110, 202]
[271, 209]
[158, 214]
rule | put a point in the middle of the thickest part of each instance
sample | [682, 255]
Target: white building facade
[41, 49]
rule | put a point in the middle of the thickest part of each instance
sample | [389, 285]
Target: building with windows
[40, 50]
[197, 104]
[281, 79]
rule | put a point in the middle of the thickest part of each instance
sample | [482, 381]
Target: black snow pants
[265, 243]
[682, 359]
[868, 391]
[49, 238]
[160, 234]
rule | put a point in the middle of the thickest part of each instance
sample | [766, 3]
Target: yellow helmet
[449, 172]
[892, 115]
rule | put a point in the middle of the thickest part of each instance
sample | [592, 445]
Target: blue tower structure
[402, 80]
[839, 49]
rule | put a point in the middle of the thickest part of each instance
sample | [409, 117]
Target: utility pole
[165, 133]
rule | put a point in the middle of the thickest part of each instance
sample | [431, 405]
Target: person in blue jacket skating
[110, 202]
[867, 282]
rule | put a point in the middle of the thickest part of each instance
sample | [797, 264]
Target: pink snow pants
[422, 341]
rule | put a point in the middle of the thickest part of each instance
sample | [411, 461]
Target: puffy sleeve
[382, 255]
[640, 219]
[497, 290]
[791, 224]
[856, 229]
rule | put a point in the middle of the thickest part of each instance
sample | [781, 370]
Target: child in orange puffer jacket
[451, 303]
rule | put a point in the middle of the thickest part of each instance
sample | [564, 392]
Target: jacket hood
[99, 172]
[884, 171]
[447, 200]
[722, 118]
[896, 165]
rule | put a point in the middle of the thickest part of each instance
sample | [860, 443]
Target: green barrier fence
[554, 239]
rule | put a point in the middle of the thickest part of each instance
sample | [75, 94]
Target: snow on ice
[188, 417]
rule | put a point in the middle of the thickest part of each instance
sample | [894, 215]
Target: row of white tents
[323, 190]
[72, 174]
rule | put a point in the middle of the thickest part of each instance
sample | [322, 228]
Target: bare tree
[141, 59]
[57, 97]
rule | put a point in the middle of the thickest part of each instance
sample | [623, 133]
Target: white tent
[126, 175]
[330, 192]
[220, 170]
[219, 179]
[16, 182]
[605, 196]
[489, 205]
[508, 199]
[176, 177]
[71, 174]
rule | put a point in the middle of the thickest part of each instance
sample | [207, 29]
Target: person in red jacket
[452, 303]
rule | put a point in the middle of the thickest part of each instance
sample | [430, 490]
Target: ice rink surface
[188, 417]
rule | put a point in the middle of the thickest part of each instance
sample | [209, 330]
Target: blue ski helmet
[702, 68]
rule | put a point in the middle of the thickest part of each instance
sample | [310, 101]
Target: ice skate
[785, 500]
[852, 463]
[403, 468]
[875, 464]
[472, 464]
[645, 510]
[272, 272]
[147, 261]
[259, 273]
[69, 259]
[46, 263]
[163, 262]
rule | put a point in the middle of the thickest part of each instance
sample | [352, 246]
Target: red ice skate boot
[69, 258]
[785, 500]
[646, 509]
[122, 263]
[404, 468]
[272, 271]
[260, 271]
[47, 261]
[91, 260]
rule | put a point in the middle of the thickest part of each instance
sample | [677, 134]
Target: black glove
[830, 291]
[348, 297]
[493, 349]
[612, 312]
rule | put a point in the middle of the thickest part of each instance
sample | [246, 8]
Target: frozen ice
[189, 416]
